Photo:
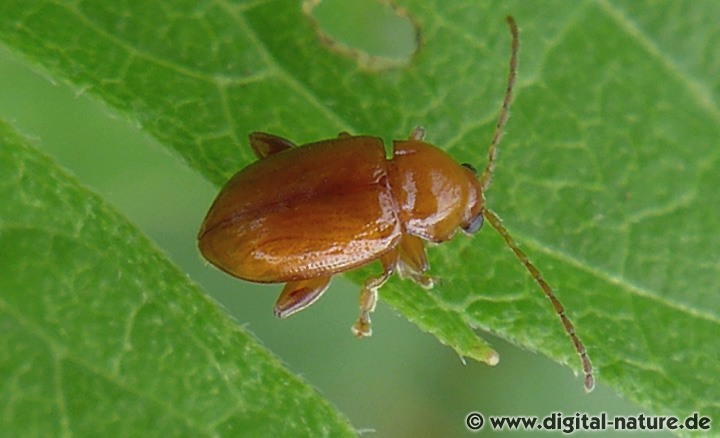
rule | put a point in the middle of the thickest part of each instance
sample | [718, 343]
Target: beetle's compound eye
[475, 225]
[470, 167]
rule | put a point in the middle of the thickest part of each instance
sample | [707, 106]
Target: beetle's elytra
[301, 214]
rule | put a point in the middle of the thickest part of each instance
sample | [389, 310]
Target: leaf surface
[98, 331]
[606, 174]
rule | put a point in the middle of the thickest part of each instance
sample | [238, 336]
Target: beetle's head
[474, 210]
[436, 196]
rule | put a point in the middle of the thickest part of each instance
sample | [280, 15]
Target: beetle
[301, 214]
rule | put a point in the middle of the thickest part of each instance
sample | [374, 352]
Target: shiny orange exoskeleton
[301, 214]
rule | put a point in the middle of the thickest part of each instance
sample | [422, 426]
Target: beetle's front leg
[412, 261]
[369, 295]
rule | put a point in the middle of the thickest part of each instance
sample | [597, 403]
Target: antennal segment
[504, 112]
[587, 367]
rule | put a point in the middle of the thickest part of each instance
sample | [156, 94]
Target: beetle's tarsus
[419, 278]
[362, 329]
[369, 294]
[418, 133]
[368, 300]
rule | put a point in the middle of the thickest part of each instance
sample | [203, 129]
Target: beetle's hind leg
[369, 295]
[298, 295]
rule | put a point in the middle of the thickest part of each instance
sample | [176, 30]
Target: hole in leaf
[376, 33]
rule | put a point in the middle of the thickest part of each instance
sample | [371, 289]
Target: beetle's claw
[427, 282]
[361, 328]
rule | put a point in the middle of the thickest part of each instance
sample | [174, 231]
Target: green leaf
[605, 175]
[98, 331]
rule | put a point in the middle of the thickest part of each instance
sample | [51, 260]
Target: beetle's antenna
[495, 221]
[559, 309]
[504, 112]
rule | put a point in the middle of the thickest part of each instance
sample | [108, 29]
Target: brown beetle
[286, 219]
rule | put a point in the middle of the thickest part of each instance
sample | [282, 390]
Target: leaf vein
[699, 93]
[618, 280]
[59, 347]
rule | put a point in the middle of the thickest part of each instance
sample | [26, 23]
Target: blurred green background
[401, 382]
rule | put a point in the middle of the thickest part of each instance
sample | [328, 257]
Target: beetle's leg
[368, 294]
[417, 134]
[413, 262]
[344, 134]
[297, 295]
[264, 144]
